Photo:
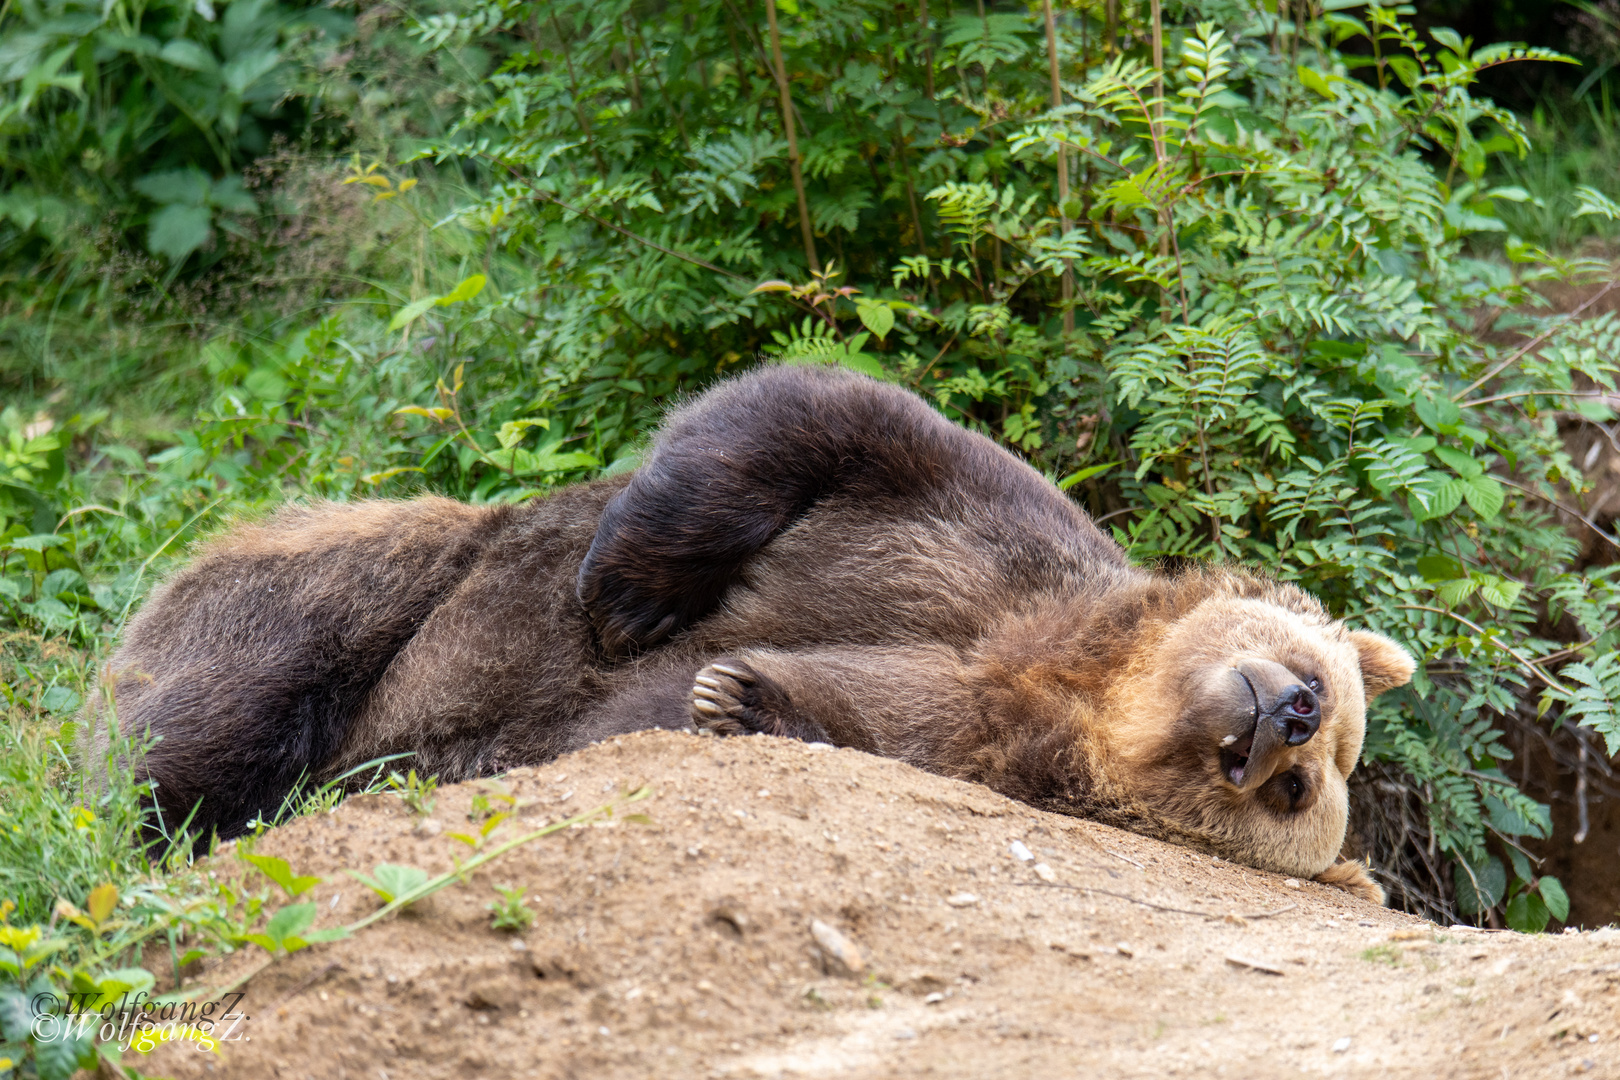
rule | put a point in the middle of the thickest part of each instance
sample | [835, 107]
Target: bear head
[1242, 722]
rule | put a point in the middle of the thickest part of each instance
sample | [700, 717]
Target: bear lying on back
[806, 552]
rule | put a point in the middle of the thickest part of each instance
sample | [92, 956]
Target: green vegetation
[1278, 299]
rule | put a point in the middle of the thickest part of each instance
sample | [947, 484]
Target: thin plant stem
[806, 230]
[1062, 165]
[928, 49]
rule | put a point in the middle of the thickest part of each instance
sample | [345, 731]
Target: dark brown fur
[805, 552]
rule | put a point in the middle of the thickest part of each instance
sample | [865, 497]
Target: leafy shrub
[1277, 352]
[167, 99]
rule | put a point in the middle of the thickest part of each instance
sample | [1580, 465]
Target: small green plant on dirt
[391, 881]
[1382, 954]
[417, 793]
[484, 803]
[278, 871]
[510, 912]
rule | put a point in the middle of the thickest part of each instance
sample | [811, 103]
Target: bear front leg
[899, 701]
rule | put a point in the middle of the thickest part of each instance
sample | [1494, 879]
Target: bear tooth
[1229, 740]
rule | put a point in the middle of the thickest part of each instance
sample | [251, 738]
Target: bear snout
[1283, 714]
[1296, 715]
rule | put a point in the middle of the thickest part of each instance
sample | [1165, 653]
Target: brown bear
[806, 552]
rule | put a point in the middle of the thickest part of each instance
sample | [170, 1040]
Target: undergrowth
[1271, 302]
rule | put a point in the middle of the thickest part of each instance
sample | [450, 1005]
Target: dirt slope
[684, 948]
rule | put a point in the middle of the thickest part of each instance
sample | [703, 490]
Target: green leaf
[1557, 900]
[577, 459]
[248, 68]
[1510, 816]
[533, 463]
[176, 231]
[391, 881]
[512, 432]
[1455, 592]
[1491, 878]
[1439, 414]
[1521, 865]
[878, 318]
[187, 54]
[15, 1015]
[1440, 568]
[1445, 500]
[1084, 474]
[60, 699]
[1313, 80]
[1499, 591]
[1485, 495]
[865, 363]
[465, 290]
[1448, 37]
[290, 921]
[37, 542]
[1405, 69]
[188, 187]
[125, 980]
[266, 384]
[1527, 913]
[278, 871]
[411, 312]
[1594, 202]
[1464, 465]
[227, 193]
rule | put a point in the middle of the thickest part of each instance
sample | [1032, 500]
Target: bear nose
[1296, 715]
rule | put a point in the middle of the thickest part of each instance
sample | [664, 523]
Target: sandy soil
[685, 947]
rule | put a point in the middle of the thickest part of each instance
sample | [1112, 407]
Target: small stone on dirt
[1341, 1045]
[428, 828]
[1020, 852]
[934, 999]
[1045, 873]
[1124, 949]
[1293, 883]
[962, 899]
[838, 947]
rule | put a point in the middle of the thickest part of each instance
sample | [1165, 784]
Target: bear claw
[724, 701]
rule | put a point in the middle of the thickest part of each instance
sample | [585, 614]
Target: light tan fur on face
[1155, 734]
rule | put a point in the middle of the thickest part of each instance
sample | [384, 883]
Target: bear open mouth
[1235, 749]
[1235, 758]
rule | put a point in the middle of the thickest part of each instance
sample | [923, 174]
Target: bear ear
[1384, 664]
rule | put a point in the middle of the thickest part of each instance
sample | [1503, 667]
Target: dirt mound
[690, 947]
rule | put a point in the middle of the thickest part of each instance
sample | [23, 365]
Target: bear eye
[1292, 785]
[1315, 685]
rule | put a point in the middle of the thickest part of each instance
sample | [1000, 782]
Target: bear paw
[728, 698]
[1353, 878]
